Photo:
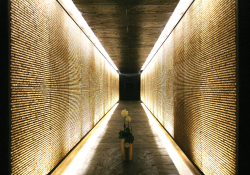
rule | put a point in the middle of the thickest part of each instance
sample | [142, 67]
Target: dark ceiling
[127, 29]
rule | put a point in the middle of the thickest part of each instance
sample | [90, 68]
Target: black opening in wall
[5, 88]
[129, 87]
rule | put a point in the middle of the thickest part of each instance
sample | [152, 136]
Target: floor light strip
[70, 165]
[182, 163]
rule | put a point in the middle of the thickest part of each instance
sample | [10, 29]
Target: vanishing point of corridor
[69, 66]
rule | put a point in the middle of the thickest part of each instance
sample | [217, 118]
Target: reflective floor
[103, 155]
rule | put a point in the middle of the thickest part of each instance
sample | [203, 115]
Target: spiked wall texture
[61, 85]
[190, 85]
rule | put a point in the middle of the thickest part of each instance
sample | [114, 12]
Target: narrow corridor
[178, 66]
[104, 155]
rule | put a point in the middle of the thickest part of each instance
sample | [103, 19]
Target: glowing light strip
[174, 154]
[77, 16]
[75, 159]
[179, 11]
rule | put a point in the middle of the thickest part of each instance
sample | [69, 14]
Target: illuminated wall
[190, 85]
[61, 85]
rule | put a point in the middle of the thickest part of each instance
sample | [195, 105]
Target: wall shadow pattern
[61, 85]
[190, 85]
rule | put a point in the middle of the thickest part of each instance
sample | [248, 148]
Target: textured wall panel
[57, 85]
[59, 97]
[30, 91]
[219, 87]
[167, 85]
[198, 87]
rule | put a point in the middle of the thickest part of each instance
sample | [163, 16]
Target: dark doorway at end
[129, 87]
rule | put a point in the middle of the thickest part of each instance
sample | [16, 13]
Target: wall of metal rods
[61, 85]
[190, 85]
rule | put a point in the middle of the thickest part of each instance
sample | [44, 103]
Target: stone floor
[149, 155]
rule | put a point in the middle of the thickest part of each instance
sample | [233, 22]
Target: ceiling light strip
[178, 13]
[72, 10]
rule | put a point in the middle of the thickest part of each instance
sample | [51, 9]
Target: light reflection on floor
[83, 158]
[179, 163]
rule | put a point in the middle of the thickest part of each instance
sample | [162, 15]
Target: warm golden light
[181, 166]
[190, 85]
[77, 16]
[180, 9]
[61, 85]
[74, 162]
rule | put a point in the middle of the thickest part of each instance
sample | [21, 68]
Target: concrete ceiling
[127, 29]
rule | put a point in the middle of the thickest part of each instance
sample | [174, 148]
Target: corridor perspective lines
[103, 156]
